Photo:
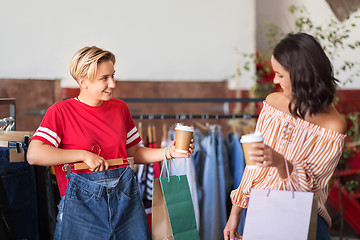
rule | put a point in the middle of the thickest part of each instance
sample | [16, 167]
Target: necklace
[77, 98]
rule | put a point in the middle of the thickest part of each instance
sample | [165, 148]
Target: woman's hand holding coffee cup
[172, 153]
[258, 154]
[265, 156]
[249, 144]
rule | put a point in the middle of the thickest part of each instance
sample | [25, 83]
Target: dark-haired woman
[301, 129]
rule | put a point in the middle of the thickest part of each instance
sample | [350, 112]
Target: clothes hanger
[247, 129]
[153, 132]
[140, 130]
[203, 128]
[8, 135]
[193, 126]
[16, 154]
[14, 136]
[112, 162]
[233, 128]
[164, 133]
[150, 139]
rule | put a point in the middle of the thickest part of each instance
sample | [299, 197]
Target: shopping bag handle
[288, 175]
[164, 164]
[167, 167]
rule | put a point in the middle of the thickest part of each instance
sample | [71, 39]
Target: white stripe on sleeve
[132, 138]
[131, 132]
[50, 132]
[47, 137]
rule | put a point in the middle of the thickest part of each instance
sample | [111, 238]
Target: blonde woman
[102, 202]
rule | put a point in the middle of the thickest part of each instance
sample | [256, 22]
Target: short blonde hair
[85, 61]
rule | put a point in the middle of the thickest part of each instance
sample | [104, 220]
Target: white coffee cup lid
[252, 137]
[179, 126]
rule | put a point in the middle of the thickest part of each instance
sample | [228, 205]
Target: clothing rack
[192, 100]
[6, 121]
[11, 118]
[188, 100]
[180, 100]
[193, 116]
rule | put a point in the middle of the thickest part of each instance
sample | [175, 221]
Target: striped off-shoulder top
[313, 150]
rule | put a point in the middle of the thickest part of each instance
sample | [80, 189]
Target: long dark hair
[311, 73]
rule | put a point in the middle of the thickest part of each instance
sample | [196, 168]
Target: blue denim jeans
[6, 221]
[237, 166]
[225, 180]
[211, 224]
[20, 188]
[322, 229]
[199, 157]
[102, 205]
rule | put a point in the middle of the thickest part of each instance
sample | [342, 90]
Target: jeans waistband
[87, 181]
[5, 155]
[13, 145]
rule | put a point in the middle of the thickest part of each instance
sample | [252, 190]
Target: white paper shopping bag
[281, 215]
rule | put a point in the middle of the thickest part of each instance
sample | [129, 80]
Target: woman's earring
[82, 83]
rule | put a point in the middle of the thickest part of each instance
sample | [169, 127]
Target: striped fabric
[314, 152]
[49, 135]
[132, 135]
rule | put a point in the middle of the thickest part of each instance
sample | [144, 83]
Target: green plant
[264, 73]
[334, 38]
[351, 144]
[351, 147]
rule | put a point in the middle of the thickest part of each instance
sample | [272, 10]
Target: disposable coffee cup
[247, 142]
[183, 136]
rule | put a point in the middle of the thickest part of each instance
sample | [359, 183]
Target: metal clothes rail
[191, 100]
[178, 100]
[192, 116]
[7, 121]
[188, 100]
[12, 104]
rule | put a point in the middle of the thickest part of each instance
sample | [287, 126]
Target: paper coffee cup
[246, 142]
[183, 136]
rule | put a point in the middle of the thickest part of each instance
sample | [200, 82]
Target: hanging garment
[225, 179]
[211, 215]
[140, 176]
[6, 218]
[229, 177]
[237, 163]
[48, 197]
[145, 176]
[198, 158]
[19, 184]
[222, 168]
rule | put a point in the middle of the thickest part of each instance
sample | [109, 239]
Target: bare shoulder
[331, 119]
[336, 122]
[279, 101]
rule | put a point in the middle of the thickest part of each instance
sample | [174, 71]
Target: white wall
[152, 39]
[276, 11]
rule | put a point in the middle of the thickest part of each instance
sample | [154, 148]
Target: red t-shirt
[71, 124]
